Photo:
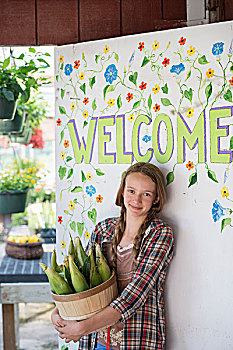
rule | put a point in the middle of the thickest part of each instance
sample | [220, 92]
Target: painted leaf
[145, 61]
[62, 65]
[62, 136]
[116, 57]
[202, 60]
[83, 176]
[83, 88]
[212, 175]
[119, 102]
[75, 200]
[231, 142]
[64, 347]
[188, 75]
[97, 58]
[108, 88]
[99, 172]
[70, 173]
[225, 222]
[133, 78]
[73, 226]
[85, 123]
[208, 91]
[77, 189]
[57, 77]
[165, 89]
[136, 104]
[62, 93]
[80, 227]
[62, 110]
[92, 215]
[192, 179]
[149, 102]
[165, 101]
[94, 105]
[68, 158]
[91, 81]
[6, 63]
[228, 95]
[170, 177]
[231, 68]
[62, 172]
[31, 49]
[189, 94]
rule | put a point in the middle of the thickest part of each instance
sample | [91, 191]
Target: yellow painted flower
[63, 244]
[225, 192]
[156, 89]
[62, 155]
[61, 58]
[72, 205]
[191, 51]
[190, 112]
[85, 114]
[89, 176]
[33, 181]
[210, 73]
[111, 102]
[106, 49]
[155, 46]
[82, 75]
[87, 235]
[131, 118]
[72, 106]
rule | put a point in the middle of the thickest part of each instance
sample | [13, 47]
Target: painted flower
[141, 46]
[61, 58]
[210, 73]
[143, 85]
[68, 69]
[217, 49]
[131, 59]
[231, 81]
[190, 112]
[106, 49]
[66, 143]
[86, 100]
[76, 64]
[81, 76]
[182, 40]
[71, 205]
[166, 62]
[146, 138]
[89, 176]
[225, 192]
[177, 68]
[58, 122]
[90, 190]
[217, 210]
[111, 102]
[129, 97]
[189, 165]
[63, 244]
[156, 107]
[155, 46]
[62, 155]
[230, 48]
[72, 106]
[156, 89]
[85, 114]
[87, 235]
[59, 219]
[111, 73]
[131, 118]
[191, 50]
[99, 199]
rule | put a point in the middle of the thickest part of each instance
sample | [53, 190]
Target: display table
[21, 281]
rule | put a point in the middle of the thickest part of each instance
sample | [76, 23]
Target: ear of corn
[103, 269]
[81, 255]
[95, 278]
[54, 264]
[71, 249]
[57, 282]
[78, 280]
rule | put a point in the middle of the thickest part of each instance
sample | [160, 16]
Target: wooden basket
[26, 251]
[80, 306]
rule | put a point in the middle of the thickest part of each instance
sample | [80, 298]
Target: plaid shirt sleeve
[151, 264]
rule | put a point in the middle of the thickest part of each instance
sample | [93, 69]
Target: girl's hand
[69, 330]
[56, 318]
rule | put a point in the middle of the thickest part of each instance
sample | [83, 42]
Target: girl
[142, 248]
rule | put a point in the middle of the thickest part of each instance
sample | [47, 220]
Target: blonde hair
[155, 174]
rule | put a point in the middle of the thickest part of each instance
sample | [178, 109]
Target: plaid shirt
[141, 303]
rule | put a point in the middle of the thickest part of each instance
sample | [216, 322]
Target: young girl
[142, 248]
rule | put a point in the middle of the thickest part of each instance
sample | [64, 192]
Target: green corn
[87, 268]
[98, 253]
[78, 280]
[95, 278]
[54, 264]
[71, 249]
[103, 269]
[81, 255]
[58, 284]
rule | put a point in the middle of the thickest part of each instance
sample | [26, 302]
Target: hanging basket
[7, 108]
[13, 202]
[22, 137]
[14, 125]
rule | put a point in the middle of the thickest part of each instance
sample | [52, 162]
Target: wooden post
[8, 326]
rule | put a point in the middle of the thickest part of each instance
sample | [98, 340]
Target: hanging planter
[15, 125]
[7, 108]
[13, 201]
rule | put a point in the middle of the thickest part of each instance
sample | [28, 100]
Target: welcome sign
[166, 98]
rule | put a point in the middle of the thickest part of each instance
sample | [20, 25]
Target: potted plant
[17, 77]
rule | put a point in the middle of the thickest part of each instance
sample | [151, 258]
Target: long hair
[155, 174]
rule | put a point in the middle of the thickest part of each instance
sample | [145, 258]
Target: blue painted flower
[146, 138]
[110, 73]
[68, 69]
[131, 58]
[177, 68]
[90, 190]
[217, 49]
[217, 211]
[230, 48]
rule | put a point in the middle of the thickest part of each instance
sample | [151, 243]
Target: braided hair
[156, 176]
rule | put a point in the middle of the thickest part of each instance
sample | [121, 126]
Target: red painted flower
[182, 40]
[59, 219]
[166, 62]
[76, 64]
[66, 143]
[143, 85]
[99, 199]
[156, 108]
[86, 100]
[141, 46]
[231, 81]
[189, 165]
[129, 97]
[58, 122]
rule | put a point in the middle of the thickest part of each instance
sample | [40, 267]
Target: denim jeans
[100, 347]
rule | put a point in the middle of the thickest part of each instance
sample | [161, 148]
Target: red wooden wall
[57, 22]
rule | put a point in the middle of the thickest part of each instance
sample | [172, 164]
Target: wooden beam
[8, 322]
[11, 293]
[174, 10]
